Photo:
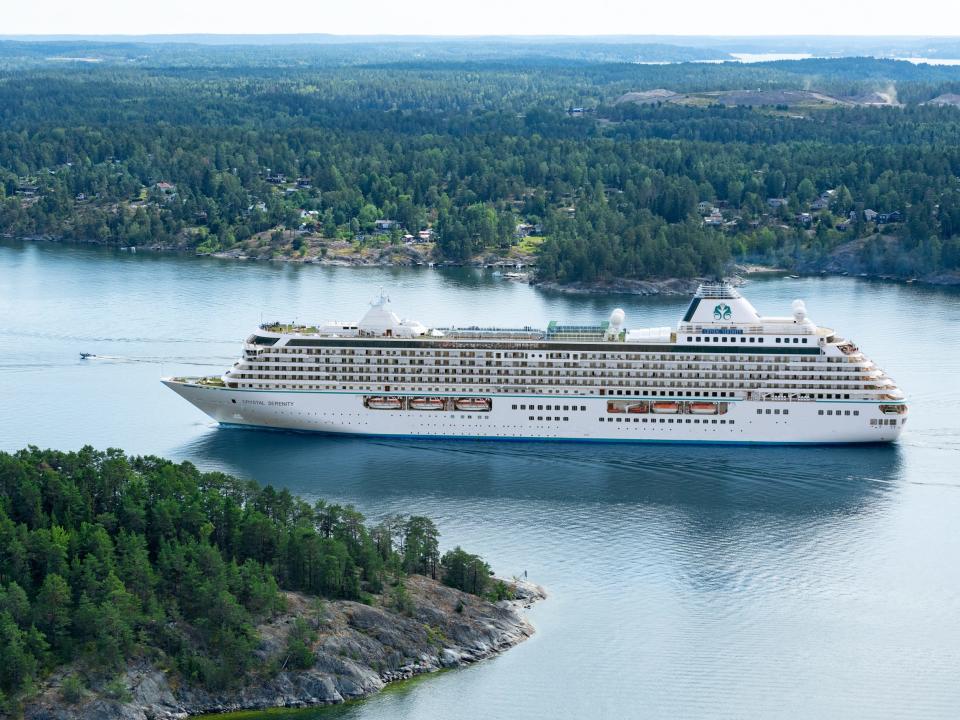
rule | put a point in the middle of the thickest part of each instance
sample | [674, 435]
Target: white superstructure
[724, 374]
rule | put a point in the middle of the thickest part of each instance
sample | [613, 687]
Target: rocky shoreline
[358, 650]
[843, 261]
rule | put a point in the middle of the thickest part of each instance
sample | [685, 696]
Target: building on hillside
[891, 217]
[820, 203]
[777, 202]
[385, 226]
[714, 218]
[704, 207]
[524, 229]
[870, 215]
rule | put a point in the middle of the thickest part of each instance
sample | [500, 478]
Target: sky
[488, 17]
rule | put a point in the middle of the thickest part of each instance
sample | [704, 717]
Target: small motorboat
[384, 403]
[84, 356]
[426, 403]
[666, 408]
[477, 404]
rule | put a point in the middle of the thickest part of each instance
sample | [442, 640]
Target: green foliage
[102, 555]
[400, 599]
[299, 655]
[500, 591]
[471, 150]
[466, 572]
[72, 689]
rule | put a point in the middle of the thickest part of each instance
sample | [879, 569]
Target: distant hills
[319, 48]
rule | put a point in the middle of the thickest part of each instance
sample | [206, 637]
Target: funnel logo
[722, 312]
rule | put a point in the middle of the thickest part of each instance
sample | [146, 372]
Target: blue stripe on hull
[638, 441]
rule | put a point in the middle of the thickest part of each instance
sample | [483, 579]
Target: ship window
[539, 417]
[583, 407]
[539, 407]
[689, 339]
[600, 419]
[804, 340]
[846, 412]
[514, 407]
[786, 412]
[732, 422]
[778, 339]
[777, 411]
[760, 412]
[714, 422]
[856, 412]
[768, 411]
[752, 339]
[566, 419]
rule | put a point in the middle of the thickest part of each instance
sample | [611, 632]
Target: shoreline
[360, 651]
[525, 267]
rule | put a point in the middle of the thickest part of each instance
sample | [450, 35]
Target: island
[135, 587]
[584, 173]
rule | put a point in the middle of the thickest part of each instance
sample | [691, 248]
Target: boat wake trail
[200, 362]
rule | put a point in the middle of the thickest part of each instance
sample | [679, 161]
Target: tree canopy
[103, 556]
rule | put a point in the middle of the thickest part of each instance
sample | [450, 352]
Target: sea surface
[684, 581]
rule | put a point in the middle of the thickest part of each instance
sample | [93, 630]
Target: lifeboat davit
[384, 403]
[703, 408]
[638, 408]
[613, 407]
[478, 404]
[426, 403]
[666, 408]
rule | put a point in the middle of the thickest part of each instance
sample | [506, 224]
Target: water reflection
[777, 480]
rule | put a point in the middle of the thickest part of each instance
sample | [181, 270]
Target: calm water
[686, 582]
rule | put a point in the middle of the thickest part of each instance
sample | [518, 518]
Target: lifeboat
[638, 408]
[426, 403]
[613, 407]
[478, 404]
[666, 408]
[384, 403]
[703, 408]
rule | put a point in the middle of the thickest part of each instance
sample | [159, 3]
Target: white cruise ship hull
[510, 418]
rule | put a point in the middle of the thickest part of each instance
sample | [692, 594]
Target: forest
[104, 557]
[207, 156]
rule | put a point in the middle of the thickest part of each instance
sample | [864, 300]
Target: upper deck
[717, 314]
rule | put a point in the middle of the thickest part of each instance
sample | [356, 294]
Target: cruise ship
[724, 374]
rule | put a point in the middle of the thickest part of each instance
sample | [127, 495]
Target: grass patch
[530, 244]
